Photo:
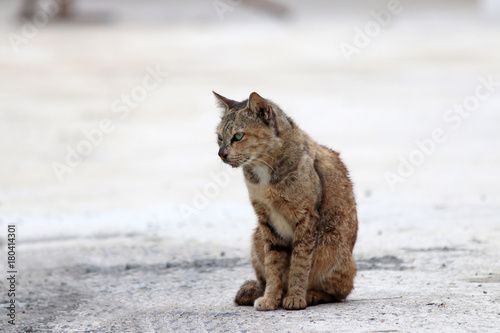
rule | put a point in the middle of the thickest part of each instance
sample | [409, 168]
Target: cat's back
[338, 205]
[328, 163]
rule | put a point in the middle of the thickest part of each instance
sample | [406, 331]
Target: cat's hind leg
[335, 289]
[315, 297]
[340, 283]
[333, 284]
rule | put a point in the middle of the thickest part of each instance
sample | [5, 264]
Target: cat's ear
[261, 107]
[224, 102]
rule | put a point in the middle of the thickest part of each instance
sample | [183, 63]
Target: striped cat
[301, 192]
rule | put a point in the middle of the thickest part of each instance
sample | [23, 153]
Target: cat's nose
[223, 153]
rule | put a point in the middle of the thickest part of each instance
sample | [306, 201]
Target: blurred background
[107, 117]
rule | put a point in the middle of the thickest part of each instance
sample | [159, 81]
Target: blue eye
[239, 136]
[219, 137]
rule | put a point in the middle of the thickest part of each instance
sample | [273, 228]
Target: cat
[303, 198]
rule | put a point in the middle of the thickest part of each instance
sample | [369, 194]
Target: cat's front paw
[265, 304]
[294, 303]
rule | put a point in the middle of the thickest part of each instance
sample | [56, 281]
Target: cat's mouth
[236, 163]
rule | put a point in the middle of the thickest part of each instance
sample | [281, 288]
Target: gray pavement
[127, 222]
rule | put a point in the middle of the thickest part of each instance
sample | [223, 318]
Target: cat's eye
[239, 136]
[219, 137]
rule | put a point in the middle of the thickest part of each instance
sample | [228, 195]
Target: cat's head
[248, 131]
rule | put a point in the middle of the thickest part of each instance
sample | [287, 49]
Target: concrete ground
[126, 221]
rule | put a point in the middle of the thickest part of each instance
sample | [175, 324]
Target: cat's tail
[248, 293]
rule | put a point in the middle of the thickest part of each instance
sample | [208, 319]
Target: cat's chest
[265, 194]
[263, 175]
[281, 225]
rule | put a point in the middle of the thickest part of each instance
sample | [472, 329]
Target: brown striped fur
[301, 192]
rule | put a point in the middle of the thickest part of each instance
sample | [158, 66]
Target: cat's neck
[263, 173]
[276, 164]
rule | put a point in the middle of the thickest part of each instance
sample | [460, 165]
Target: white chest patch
[263, 174]
[261, 192]
[281, 225]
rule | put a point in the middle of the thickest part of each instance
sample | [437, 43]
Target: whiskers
[271, 157]
[238, 160]
[262, 163]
